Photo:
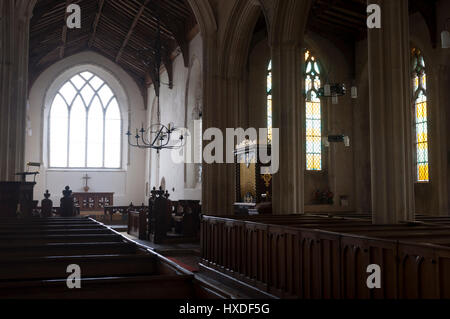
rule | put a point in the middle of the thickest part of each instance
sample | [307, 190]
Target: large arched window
[85, 125]
[419, 78]
[313, 113]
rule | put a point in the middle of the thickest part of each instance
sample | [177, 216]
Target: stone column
[221, 110]
[440, 141]
[288, 103]
[13, 87]
[391, 115]
[286, 40]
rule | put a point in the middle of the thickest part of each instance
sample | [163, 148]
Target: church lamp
[336, 139]
[157, 136]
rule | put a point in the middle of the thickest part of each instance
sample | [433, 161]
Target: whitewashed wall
[128, 183]
[174, 103]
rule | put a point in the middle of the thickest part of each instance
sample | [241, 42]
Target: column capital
[289, 22]
[25, 9]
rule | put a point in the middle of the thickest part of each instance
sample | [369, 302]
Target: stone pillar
[288, 103]
[286, 40]
[390, 115]
[440, 142]
[14, 39]
[222, 101]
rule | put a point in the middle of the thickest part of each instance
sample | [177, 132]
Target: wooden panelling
[320, 257]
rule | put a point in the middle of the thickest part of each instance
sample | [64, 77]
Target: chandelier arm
[144, 139]
[129, 140]
[157, 136]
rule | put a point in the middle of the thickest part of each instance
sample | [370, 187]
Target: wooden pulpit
[15, 198]
[253, 185]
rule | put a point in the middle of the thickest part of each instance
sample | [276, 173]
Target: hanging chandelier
[157, 136]
[330, 90]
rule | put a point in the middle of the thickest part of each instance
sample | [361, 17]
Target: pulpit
[16, 198]
[253, 183]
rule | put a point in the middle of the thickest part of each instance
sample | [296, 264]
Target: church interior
[115, 184]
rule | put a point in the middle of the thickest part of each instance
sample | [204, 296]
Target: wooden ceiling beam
[96, 21]
[47, 9]
[130, 31]
[179, 34]
[64, 31]
[177, 28]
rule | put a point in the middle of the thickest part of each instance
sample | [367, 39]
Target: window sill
[93, 170]
[321, 172]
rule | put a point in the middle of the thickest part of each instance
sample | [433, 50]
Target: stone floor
[188, 256]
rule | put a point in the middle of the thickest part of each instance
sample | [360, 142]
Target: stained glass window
[85, 125]
[419, 78]
[313, 114]
[269, 102]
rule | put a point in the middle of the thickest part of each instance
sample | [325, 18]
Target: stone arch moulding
[58, 74]
[238, 36]
[204, 16]
[286, 27]
[26, 7]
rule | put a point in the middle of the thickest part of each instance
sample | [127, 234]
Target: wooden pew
[137, 287]
[34, 255]
[55, 267]
[123, 211]
[325, 256]
[8, 250]
[137, 224]
[47, 239]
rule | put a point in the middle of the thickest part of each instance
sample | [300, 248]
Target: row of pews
[326, 256]
[177, 220]
[35, 255]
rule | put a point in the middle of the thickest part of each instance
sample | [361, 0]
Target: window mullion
[104, 139]
[68, 139]
[86, 139]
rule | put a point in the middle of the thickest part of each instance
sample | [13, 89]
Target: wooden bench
[8, 250]
[137, 224]
[137, 287]
[326, 256]
[35, 254]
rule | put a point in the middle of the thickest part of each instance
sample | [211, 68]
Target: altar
[93, 201]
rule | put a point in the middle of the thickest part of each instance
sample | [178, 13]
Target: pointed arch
[91, 138]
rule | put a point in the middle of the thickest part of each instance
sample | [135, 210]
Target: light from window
[85, 125]
[419, 78]
[313, 114]
[269, 103]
